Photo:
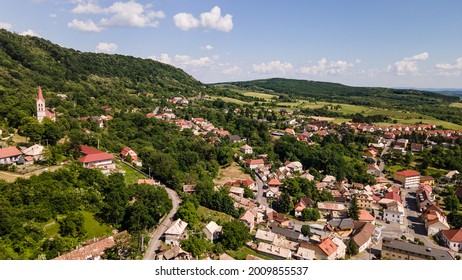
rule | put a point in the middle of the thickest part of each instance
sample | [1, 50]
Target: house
[287, 233]
[374, 169]
[329, 179]
[212, 231]
[274, 183]
[394, 212]
[365, 216]
[273, 192]
[302, 203]
[129, 152]
[362, 235]
[294, 166]
[9, 155]
[307, 176]
[255, 163]
[234, 138]
[333, 209]
[35, 151]
[328, 250]
[189, 189]
[225, 257]
[450, 175]
[246, 149]
[435, 223]
[92, 251]
[408, 178]
[249, 219]
[370, 152]
[394, 196]
[340, 225]
[401, 250]
[427, 180]
[175, 253]
[304, 254]
[453, 239]
[367, 201]
[237, 191]
[423, 198]
[176, 232]
[341, 248]
[265, 236]
[94, 158]
[415, 147]
[274, 251]
[150, 182]
[289, 131]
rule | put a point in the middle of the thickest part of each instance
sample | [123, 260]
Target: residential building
[176, 232]
[238, 191]
[273, 251]
[9, 155]
[450, 175]
[212, 231]
[341, 248]
[365, 216]
[453, 239]
[301, 204]
[246, 149]
[394, 213]
[265, 236]
[328, 250]
[249, 219]
[35, 151]
[274, 183]
[294, 166]
[255, 163]
[128, 151]
[427, 180]
[362, 235]
[94, 158]
[401, 250]
[408, 178]
[304, 254]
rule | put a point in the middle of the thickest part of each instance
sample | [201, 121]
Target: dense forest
[424, 102]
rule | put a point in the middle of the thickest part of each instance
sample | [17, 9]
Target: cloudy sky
[393, 43]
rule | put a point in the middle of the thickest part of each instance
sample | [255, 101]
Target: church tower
[40, 101]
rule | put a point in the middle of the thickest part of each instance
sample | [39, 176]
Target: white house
[453, 239]
[246, 149]
[394, 213]
[212, 231]
[9, 155]
[176, 232]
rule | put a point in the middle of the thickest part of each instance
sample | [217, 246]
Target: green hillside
[425, 102]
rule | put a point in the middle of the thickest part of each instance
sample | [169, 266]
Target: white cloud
[187, 61]
[5, 25]
[126, 14]
[214, 20]
[131, 14]
[324, 67]
[208, 20]
[408, 65]
[185, 21]
[52, 15]
[449, 70]
[106, 47]
[164, 58]
[232, 70]
[274, 66]
[87, 26]
[29, 32]
[207, 47]
[87, 7]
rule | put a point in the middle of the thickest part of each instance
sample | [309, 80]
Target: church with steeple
[42, 111]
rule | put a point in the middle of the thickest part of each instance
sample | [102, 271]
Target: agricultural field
[229, 99]
[231, 173]
[265, 96]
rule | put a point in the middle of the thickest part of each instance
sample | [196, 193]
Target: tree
[310, 214]
[352, 248]
[196, 246]
[284, 204]
[188, 213]
[353, 211]
[306, 231]
[72, 225]
[451, 203]
[235, 235]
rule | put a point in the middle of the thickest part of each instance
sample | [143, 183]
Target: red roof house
[9, 155]
[95, 158]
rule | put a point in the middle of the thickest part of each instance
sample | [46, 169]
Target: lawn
[131, 176]
[206, 215]
[93, 228]
[229, 99]
[241, 253]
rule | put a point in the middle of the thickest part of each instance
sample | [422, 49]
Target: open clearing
[11, 177]
[456, 104]
[231, 173]
[265, 96]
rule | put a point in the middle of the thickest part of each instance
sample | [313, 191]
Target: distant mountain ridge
[425, 102]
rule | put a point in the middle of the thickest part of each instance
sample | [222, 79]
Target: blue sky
[392, 43]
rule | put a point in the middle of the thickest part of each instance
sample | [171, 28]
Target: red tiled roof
[146, 181]
[328, 246]
[365, 216]
[255, 161]
[453, 235]
[9, 152]
[125, 151]
[274, 182]
[408, 173]
[96, 157]
[394, 196]
[87, 150]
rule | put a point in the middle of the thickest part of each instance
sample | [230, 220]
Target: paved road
[259, 196]
[154, 243]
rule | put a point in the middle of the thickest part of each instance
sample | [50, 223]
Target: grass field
[206, 215]
[92, 227]
[241, 253]
[228, 99]
[456, 104]
[231, 173]
[131, 176]
[265, 96]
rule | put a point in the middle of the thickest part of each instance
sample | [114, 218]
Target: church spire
[40, 95]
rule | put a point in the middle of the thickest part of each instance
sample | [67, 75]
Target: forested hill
[26, 62]
[425, 102]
